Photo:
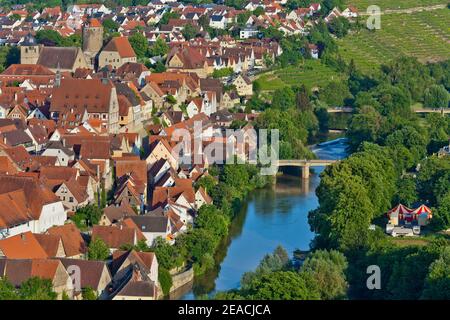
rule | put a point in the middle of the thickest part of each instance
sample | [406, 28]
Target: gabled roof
[117, 212]
[113, 236]
[58, 57]
[148, 223]
[122, 46]
[18, 271]
[90, 271]
[50, 243]
[22, 246]
[71, 237]
[92, 94]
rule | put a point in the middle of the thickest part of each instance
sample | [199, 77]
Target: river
[272, 216]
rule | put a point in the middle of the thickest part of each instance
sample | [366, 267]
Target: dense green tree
[87, 216]
[335, 93]
[36, 288]
[7, 290]
[189, 31]
[165, 279]
[98, 250]
[327, 269]
[139, 44]
[283, 98]
[281, 285]
[437, 282]
[159, 48]
[167, 16]
[406, 191]
[89, 294]
[363, 126]
[339, 27]
[436, 96]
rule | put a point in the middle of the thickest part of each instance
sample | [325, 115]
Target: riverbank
[276, 215]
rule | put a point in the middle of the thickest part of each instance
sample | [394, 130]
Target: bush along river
[277, 215]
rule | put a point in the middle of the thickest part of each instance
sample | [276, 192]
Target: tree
[258, 11]
[165, 280]
[207, 182]
[87, 216]
[8, 55]
[406, 191]
[189, 31]
[98, 250]
[363, 126]
[283, 98]
[159, 67]
[165, 253]
[49, 37]
[339, 26]
[303, 102]
[14, 17]
[89, 294]
[210, 218]
[7, 290]
[281, 285]
[223, 72]
[436, 96]
[36, 288]
[441, 214]
[159, 48]
[327, 269]
[167, 16]
[139, 44]
[335, 93]
[437, 282]
[110, 26]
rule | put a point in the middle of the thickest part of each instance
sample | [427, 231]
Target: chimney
[22, 236]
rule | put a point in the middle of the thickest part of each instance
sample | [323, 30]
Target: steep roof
[150, 223]
[18, 271]
[114, 236]
[36, 193]
[22, 246]
[90, 271]
[71, 237]
[122, 46]
[92, 94]
[58, 57]
[50, 243]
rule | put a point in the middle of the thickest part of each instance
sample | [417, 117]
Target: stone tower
[29, 50]
[92, 41]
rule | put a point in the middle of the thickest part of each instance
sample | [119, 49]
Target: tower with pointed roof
[92, 41]
[29, 50]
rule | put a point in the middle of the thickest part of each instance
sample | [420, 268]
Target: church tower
[92, 41]
[29, 50]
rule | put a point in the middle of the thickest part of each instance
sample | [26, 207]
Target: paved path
[408, 10]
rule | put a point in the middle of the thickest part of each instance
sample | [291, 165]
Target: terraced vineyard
[425, 35]
[390, 4]
[312, 74]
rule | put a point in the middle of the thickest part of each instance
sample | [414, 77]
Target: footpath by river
[272, 216]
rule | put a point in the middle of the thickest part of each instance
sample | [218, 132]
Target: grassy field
[311, 74]
[390, 4]
[425, 35]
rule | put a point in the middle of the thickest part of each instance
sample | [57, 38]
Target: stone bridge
[305, 164]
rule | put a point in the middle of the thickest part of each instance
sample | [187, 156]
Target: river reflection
[277, 215]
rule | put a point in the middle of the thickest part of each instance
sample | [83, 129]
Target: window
[70, 199]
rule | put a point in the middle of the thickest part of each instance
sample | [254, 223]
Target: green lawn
[425, 35]
[390, 4]
[312, 74]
